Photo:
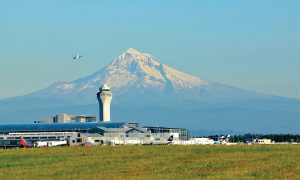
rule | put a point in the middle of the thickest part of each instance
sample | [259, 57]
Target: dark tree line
[250, 137]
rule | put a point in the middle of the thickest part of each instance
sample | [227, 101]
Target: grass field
[152, 162]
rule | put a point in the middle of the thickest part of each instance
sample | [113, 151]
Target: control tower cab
[104, 97]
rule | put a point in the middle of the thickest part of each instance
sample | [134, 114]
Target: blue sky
[249, 44]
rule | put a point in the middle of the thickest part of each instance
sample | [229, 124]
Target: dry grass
[153, 162]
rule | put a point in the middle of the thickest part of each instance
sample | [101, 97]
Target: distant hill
[152, 93]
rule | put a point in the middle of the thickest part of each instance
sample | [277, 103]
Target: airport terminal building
[109, 133]
[77, 129]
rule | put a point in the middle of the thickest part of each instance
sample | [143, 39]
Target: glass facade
[183, 133]
[57, 127]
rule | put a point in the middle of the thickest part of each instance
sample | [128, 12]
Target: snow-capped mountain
[152, 93]
[135, 76]
[131, 74]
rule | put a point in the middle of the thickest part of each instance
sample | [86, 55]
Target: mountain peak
[138, 69]
[133, 55]
[132, 51]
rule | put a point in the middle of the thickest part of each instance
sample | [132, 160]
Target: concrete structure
[183, 133]
[67, 118]
[104, 97]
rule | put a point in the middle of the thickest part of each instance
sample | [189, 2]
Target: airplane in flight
[77, 56]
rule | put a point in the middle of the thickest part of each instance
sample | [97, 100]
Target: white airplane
[117, 142]
[161, 142]
[203, 141]
[49, 143]
[126, 142]
[77, 56]
[133, 142]
[223, 140]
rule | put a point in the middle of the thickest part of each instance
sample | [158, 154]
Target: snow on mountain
[139, 78]
[132, 73]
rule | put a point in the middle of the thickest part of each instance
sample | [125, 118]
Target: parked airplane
[117, 142]
[160, 142]
[77, 56]
[202, 141]
[126, 142]
[49, 143]
[88, 142]
[133, 142]
[223, 140]
[25, 143]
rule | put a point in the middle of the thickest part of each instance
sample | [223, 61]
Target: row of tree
[250, 137]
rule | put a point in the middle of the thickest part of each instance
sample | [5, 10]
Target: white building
[104, 97]
[67, 118]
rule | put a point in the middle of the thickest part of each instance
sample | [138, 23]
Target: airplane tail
[24, 143]
[89, 142]
[171, 138]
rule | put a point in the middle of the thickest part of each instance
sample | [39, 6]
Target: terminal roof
[51, 127]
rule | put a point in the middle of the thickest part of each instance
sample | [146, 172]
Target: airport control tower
[104, 97]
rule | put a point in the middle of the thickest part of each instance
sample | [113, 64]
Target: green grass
[152, 162]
